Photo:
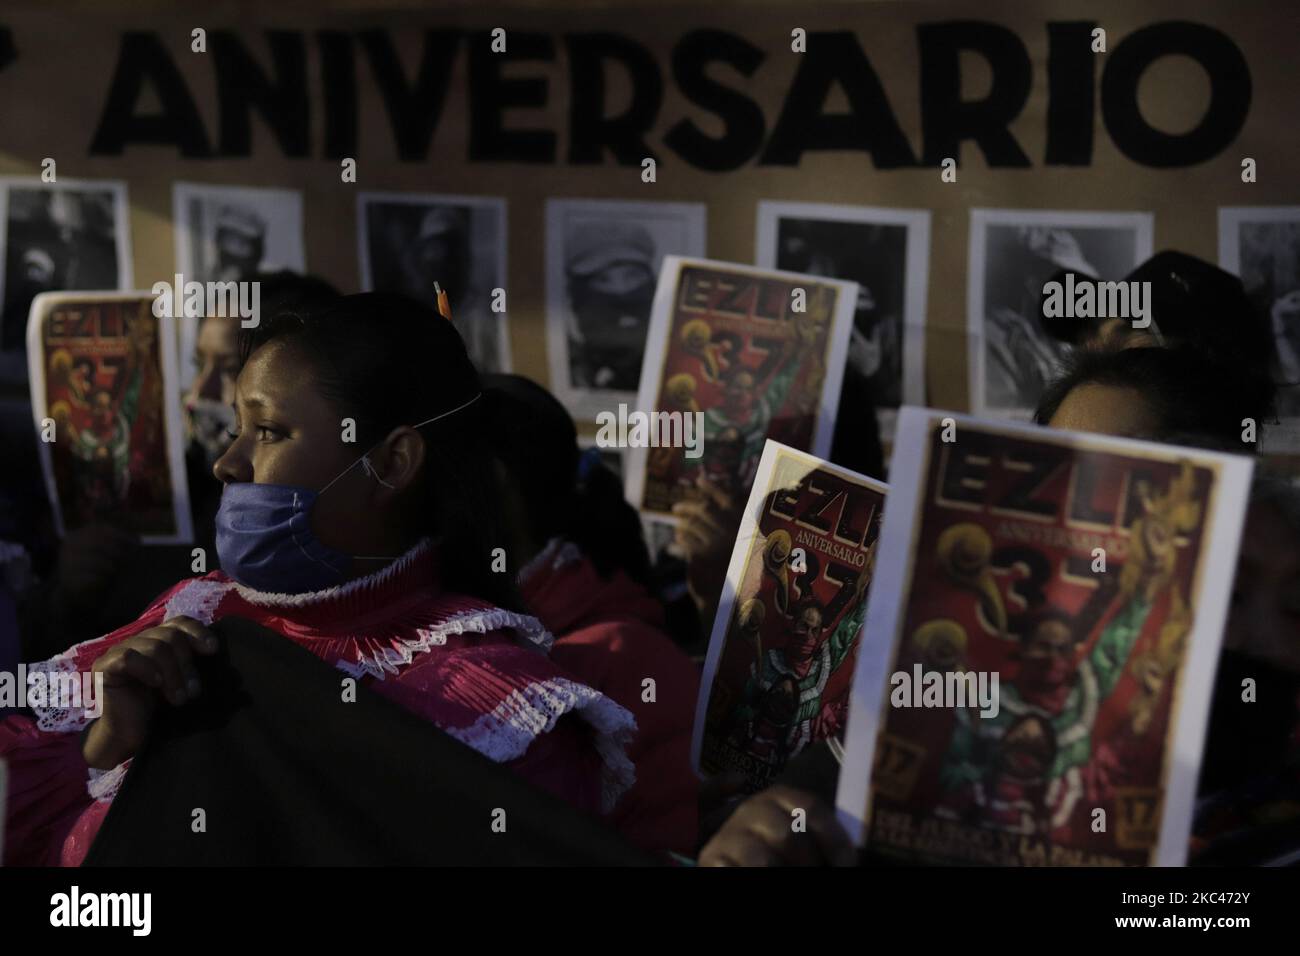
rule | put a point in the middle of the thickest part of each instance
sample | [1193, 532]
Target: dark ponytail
[565, 493]
[387, 361]
[606, 527]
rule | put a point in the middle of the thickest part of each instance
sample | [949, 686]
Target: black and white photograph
[1013, 253]
[1261, 245]
[408, 242]
[69, 235]
[886, 252]
[229, 234]
[602, 262]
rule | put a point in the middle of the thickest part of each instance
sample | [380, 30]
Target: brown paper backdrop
[54, 93]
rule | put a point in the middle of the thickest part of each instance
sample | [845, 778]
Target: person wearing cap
[240, 238]
[438, 260]
[1022, 358]
[610, 270]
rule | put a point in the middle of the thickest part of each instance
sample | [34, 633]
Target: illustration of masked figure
[1022, 770]
[101, 452]
[783, 710]
[101, 447]
[736, 429]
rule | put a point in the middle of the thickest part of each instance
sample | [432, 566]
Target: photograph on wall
[1013, 254]
[408, 242]
[1261, 245]
[73, 234]
[735, 355]
[1036, 666]
[602, 260]
[106, 405]
[886, 252]
[229, 234]
[780, 661]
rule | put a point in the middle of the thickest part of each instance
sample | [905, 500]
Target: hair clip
[444, 304]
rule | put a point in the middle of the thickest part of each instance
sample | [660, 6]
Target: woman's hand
[704, 538]
[762, 833]
[137, 671]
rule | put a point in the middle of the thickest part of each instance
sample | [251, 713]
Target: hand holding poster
[750, 354]
[107, 407]
[1038, 651]
[784, 641]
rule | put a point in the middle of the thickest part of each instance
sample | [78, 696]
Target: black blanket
[286, 773]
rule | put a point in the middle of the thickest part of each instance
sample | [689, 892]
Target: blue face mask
[265, 540]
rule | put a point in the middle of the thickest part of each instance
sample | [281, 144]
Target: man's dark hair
[1189, 393]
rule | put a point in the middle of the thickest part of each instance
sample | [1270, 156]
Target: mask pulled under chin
[209, 425]
[265, 541]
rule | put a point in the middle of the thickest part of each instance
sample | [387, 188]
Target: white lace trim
[197, 599]
[270, 599]
[104, 784]
[391, 659]
[557, 554]
[59, 720]
[506, 732]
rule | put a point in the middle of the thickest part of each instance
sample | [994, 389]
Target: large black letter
[589, 128]
[946, 119]
[1069, 94]
[339, 86]
[870, 125]
[490, 95]
[143, 58]
[1229, 94]
[413, 111]
[243, 86]
[7, 52]
[741, 117]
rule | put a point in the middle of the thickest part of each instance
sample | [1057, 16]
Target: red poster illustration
[780, 661]
[105, 399]
[1036, 639]
[752, 354]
